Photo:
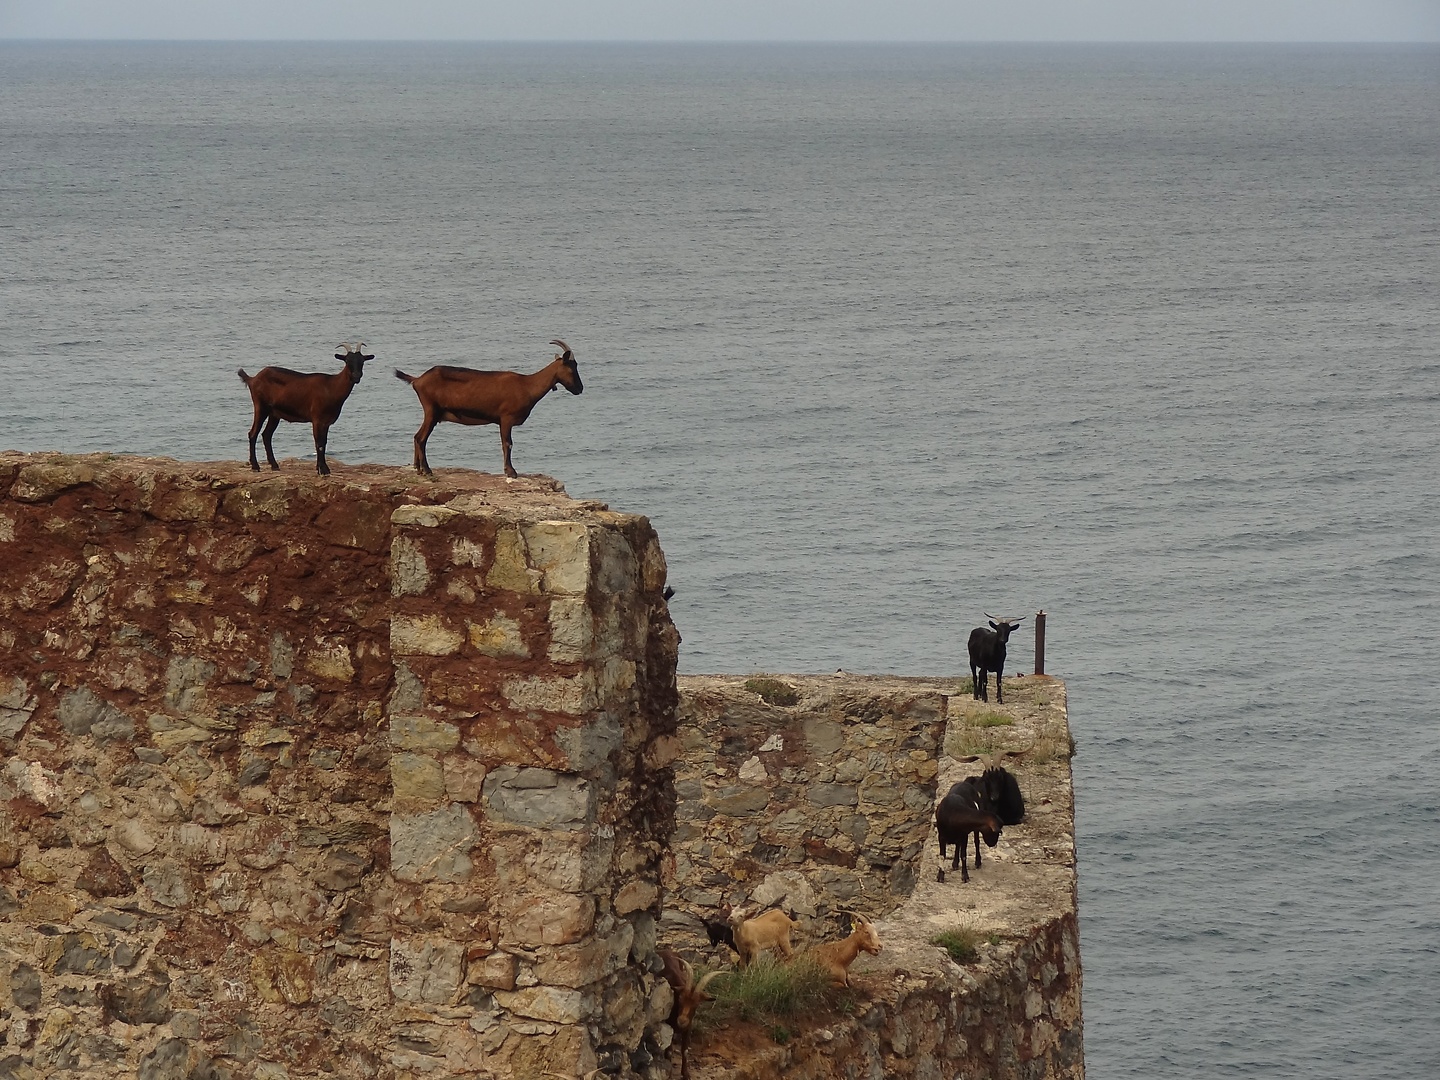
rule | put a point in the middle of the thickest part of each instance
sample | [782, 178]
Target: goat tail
[403, 377]
[243, 377]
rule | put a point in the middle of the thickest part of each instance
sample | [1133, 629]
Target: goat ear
[994, 625]
[341, 355]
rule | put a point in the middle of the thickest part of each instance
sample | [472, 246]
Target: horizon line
[707, 41]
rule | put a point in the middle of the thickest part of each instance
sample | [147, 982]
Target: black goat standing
[965, 810]
[987, 654]
[1002, 792]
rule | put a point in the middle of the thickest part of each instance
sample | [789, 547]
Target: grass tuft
[963, 943]
[990, 719]
[772, 691]
[768, 991]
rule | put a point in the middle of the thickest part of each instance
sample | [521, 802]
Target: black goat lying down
[963, 811]
[1002, 792]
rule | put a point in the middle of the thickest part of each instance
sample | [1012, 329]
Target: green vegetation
[772, 691]
[989, 719]
[963, 943]
[768, 991]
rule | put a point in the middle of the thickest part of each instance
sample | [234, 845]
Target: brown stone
[103, 876]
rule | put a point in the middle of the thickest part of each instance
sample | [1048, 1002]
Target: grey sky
[729, 20]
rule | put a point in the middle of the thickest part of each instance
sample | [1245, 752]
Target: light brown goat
[688, 997]
[837, 956]
[768, 931]
[466, 396]
[300, 397]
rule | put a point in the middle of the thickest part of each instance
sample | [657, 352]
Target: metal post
[1040, 642]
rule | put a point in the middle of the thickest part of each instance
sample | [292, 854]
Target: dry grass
[772, 691]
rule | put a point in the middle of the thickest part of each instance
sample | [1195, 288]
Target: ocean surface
[881, 338]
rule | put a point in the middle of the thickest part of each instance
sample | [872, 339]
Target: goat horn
[557, 341]
[707, 977]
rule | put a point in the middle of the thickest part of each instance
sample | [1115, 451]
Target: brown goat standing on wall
[466, 396]
[314, 398]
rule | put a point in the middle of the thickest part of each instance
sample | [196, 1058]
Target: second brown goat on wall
[302, 397]
[467, 396]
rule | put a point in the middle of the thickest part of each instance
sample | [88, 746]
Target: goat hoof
[939, 875]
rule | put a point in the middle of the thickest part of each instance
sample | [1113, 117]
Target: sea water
[882, 339]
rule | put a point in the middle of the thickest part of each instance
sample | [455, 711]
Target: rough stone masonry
[357, 777]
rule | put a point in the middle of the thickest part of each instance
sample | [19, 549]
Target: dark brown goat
[314, 398]
[688, 996]
[965, 810]
[466, 396]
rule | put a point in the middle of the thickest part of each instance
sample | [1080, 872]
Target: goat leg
[999, 693]
[505, 441]
[260, 417]
[270, 426]
[977, 849]
[422, 462]
[322, 435]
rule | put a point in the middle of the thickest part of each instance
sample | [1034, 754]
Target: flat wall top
[42, 477]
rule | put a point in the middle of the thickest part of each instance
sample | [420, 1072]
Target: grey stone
[81, 710]
[739, 802]
[409, 574]
[342, 869]
[137, 1001]
[174, 1059]
[80, 954]
[590, 744]
[25, 987]
[426, 969]
[538, 798]
[833, 795]
[255, 770]
[167, 884]
[282, 656]
[434, 846]
[185, 1023]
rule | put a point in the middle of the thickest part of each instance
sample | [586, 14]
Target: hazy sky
[729, 20]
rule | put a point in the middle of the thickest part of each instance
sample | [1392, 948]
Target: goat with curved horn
[467, 396]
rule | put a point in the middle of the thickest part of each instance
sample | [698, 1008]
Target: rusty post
[1040, 642]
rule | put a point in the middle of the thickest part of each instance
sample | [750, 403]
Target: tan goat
[837, 956]
[768, 931]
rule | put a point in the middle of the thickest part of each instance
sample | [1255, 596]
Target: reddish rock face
[320, 770]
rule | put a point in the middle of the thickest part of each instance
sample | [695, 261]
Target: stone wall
[361, 777]
[815, 805]
[772, 800]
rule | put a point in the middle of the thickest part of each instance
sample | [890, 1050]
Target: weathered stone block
[539, 798]
[550, 919]
[434, 846]
[498, 637]
[426, 969]
[409, 572]
[574, 695]
[423, 635]
[417, 776]
[571, 630]
[547, 1003]
[560, 550]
